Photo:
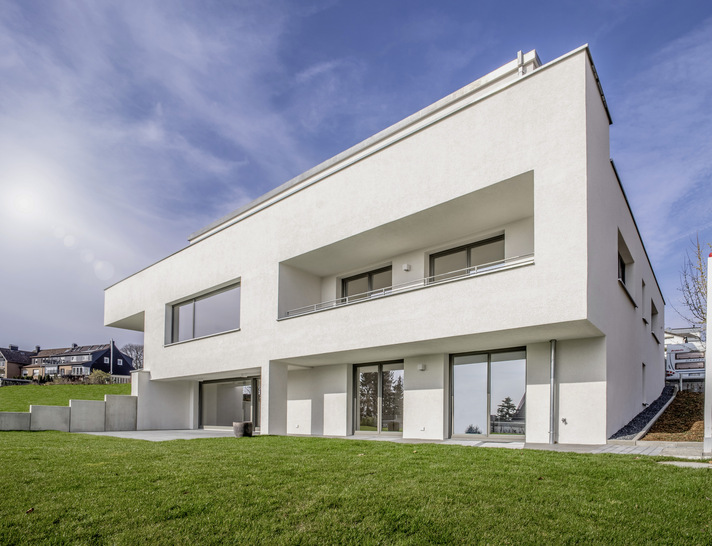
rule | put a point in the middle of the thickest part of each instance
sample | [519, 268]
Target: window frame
[369, 275]
[466, 248]
[172, 330]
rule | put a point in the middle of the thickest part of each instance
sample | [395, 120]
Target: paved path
[687, 450]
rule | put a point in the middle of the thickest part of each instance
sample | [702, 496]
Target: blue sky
[126, 126]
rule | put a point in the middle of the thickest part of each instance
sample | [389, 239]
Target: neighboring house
[12, 360]
[675, 336]
[423, 283]
[78, 361]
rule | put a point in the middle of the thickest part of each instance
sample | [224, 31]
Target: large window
[379, 397]
[210, 314]
[359, 286]
[226, 401]
[461, 260]
[489, 393]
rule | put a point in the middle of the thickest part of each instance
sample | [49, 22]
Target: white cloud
[662, 142]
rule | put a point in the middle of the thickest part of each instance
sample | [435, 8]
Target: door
[378, 398]
[488, 393]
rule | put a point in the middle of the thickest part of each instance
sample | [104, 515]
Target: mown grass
[19, 397]
[72, 488]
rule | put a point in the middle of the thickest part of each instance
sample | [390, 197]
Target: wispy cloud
[663, 138]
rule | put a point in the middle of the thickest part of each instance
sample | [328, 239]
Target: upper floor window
[621, 269]
[106, 360]
[210, 314]
[360, 285]
[458, 261]
[625, 263]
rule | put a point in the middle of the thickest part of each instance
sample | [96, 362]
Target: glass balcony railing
[433, 280]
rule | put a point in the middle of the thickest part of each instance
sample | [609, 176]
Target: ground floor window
[379, 397]
[227, 401]
[488, 393]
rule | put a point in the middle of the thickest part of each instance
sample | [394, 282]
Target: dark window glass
[449, 265]
[211, 314]
[360, 285]
[356, 285]
[621, 268]
[461, 260]
[217, 313]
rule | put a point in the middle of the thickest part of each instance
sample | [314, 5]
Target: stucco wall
[319, 401]
[426, 397]
[482, 145]
[622, 314]
[164, 405]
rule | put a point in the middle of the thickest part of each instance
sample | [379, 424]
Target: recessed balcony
[419, 284]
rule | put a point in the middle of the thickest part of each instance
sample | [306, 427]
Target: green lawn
[19, 397]
[74, 488]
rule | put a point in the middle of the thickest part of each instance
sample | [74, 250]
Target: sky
[127, 126]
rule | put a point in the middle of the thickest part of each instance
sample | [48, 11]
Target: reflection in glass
[392, 394]
[183, 321]
[357, 285]
[470, 394]
[381, 279]
[448, 263]
[487, 253]
[217, 313]
[367, 398]
[225, 402]
[508, 388]
[211, 314]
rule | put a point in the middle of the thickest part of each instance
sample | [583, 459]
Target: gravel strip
[639, 422]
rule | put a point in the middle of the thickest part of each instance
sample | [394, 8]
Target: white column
[273, 404]
[707, 448]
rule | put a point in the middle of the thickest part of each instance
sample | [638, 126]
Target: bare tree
[693, 285]
[135, 352]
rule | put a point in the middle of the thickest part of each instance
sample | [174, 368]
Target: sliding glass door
[488, 393]
[225, 402]
[378, 400]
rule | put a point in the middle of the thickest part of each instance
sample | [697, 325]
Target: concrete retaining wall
[87, 415]
[49, 418]
[10, 420]
[115, 412]
[120, 412]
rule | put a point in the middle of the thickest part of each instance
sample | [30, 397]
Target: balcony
[419, 284]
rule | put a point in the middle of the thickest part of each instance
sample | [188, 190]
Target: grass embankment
[19, 397]
[77, 488]
[682, 421]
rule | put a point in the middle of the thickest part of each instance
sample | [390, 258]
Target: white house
[473, 270]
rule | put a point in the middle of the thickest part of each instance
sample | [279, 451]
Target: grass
[19, 397]
[682, 421]
[73, 488]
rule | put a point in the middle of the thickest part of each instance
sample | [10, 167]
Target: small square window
[106, 360]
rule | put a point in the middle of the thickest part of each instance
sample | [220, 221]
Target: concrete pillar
[707, 448]
[273, 405]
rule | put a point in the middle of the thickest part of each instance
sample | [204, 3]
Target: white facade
[521, 155]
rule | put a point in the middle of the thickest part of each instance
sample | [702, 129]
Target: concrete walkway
[683, 450]
[166, 435]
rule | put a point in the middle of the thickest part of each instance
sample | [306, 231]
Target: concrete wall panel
[87, 415]
[49, 418]
[10, 420]
[120, 412]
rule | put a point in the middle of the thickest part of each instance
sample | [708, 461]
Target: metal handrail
[431, 280]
